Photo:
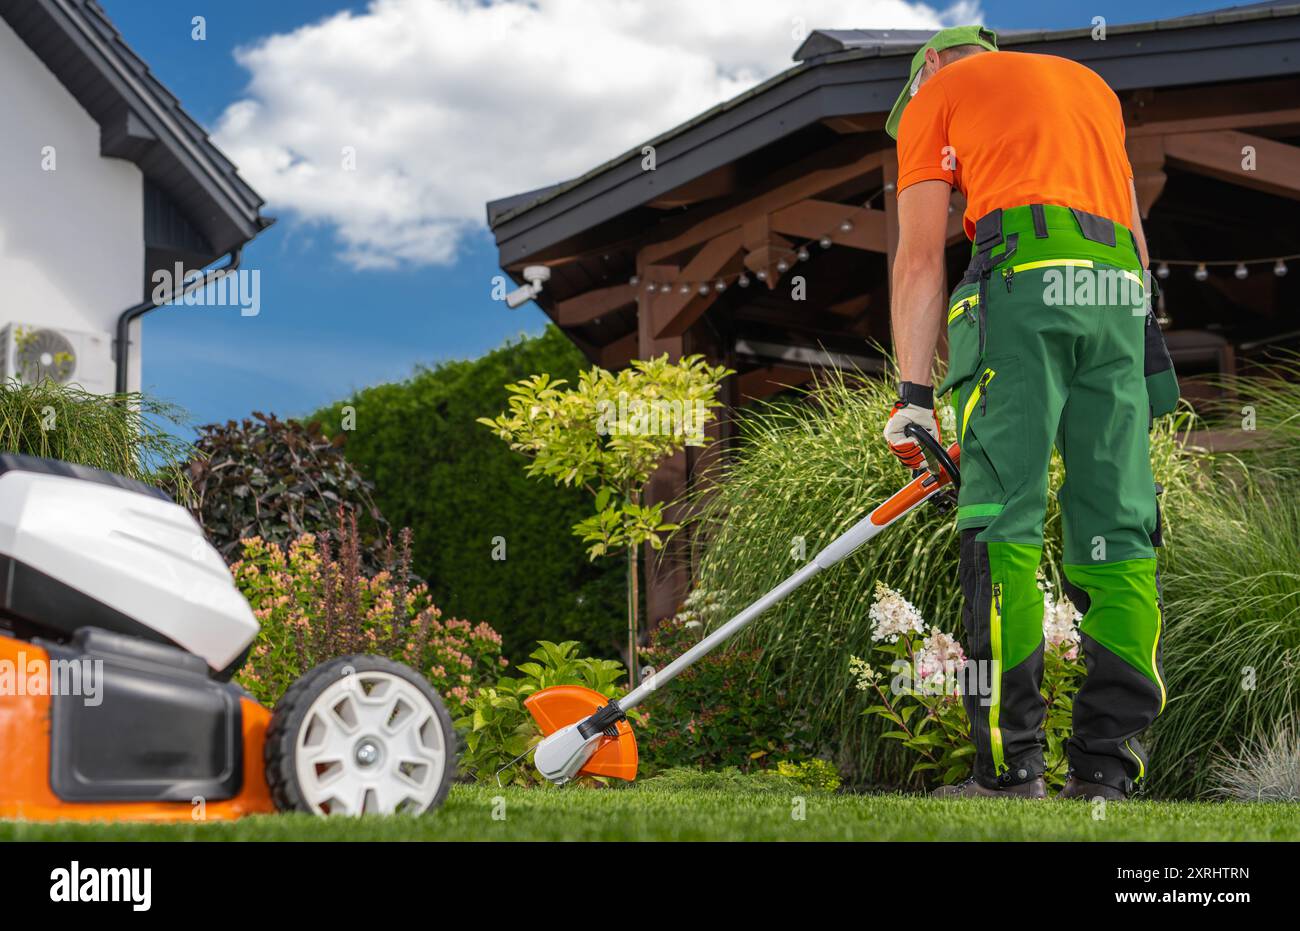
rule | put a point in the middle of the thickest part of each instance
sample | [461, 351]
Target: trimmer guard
[562, 705]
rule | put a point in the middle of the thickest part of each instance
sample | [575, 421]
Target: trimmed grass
[647, 812]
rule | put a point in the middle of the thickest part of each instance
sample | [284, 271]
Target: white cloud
[451, 103]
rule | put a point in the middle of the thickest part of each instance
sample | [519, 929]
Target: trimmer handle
[934, 452]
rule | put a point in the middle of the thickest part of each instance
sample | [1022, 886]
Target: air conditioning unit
[32, 352]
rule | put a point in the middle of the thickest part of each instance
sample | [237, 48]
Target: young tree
[608, 434]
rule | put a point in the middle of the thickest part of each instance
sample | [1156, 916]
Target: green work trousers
[1046, 347]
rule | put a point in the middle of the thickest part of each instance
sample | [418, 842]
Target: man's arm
[1136, 227]
[918, 291]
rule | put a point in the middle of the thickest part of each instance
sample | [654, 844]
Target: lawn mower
[120, 629]
[586, 735]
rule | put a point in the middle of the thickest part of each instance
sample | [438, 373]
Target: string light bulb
[825, 242]
[743, 280]
[846, 226]
[1200, 274]
[802, 254]
[1279, 268]
[782, 266]
[1241, 271]
[720, 286]
[1162, 271]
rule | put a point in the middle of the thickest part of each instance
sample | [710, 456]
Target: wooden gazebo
[788, 189]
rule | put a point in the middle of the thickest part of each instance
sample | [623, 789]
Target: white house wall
[71, 239]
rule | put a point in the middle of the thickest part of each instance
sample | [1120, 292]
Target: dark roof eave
[819, 88]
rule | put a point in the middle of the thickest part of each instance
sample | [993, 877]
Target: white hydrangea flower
[892, 615]
[700, 607]
[939, 662]
[1060, 624]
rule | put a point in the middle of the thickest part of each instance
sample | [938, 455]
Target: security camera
[536, 276]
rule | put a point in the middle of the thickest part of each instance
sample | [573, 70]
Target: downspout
[124, 321]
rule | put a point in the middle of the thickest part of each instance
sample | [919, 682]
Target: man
[1046, 335]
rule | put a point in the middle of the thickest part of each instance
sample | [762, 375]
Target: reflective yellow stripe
[1142, 770]
[1155, 644]
[1045, 263]
[995, 643]
[1074, 263]
[974, 399]
[965, 304]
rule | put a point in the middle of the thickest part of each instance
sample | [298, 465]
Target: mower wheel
[360, 735]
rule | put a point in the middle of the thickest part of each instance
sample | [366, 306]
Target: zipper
[962, 308]
[1007, 276]
[979, 395]
[995, 707]
[983, 313]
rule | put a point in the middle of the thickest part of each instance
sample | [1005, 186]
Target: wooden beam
[851, 307]
[1276, 166]
[811, 219]
[673, 313]
[648, 344]
[802, 187]
[619, 353]
[590, 305]
[890, 166]
[1242, 120]
[856, 123]
[760, 383]
[717, 183]
[764, 248]
[1147, 156]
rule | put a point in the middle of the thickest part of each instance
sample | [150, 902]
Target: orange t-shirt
[1014, 128]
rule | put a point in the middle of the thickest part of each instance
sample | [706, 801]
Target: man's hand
[915, 405]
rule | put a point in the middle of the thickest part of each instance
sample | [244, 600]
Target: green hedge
[458, 487]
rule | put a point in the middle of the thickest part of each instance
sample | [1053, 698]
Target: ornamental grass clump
[315, 601]
[130, 434]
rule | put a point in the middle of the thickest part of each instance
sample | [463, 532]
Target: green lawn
[646, 812]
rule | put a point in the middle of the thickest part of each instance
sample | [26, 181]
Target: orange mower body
[25, 736]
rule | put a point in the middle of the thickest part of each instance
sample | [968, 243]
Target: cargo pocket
[991, 428]
[1158, 368]
[964, 324]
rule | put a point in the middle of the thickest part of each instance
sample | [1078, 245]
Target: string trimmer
[585, 734]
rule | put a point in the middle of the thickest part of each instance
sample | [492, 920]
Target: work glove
[915, 404]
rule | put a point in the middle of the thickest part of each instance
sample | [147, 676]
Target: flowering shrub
[315, 601]
[922, 697]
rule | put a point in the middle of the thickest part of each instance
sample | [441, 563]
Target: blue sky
[329, 325]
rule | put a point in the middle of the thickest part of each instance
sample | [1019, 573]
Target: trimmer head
[564, 753]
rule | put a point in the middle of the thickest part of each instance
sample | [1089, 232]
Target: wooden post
[666, 573]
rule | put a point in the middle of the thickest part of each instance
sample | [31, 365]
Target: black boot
[1078, 789]
[1033, 789]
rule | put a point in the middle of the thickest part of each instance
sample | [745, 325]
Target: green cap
[945, 38]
